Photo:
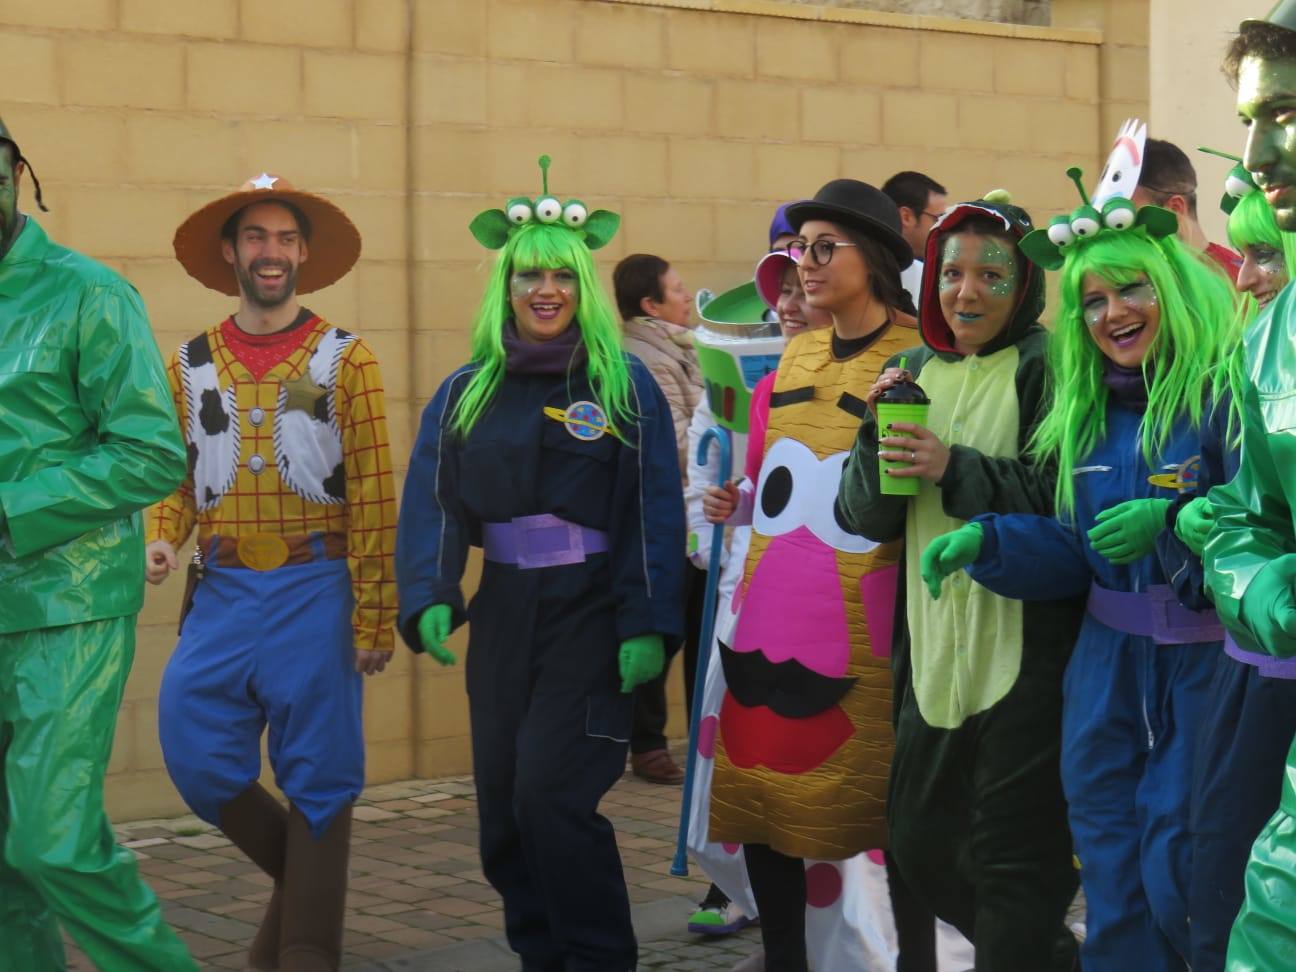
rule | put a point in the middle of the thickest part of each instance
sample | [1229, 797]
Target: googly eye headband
[1237, 184]
[493, 227]
[1110, 208]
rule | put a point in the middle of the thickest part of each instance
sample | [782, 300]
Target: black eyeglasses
[821, 251]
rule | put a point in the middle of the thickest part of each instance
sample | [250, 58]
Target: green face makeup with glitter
[979, 278]
[1266, 103]
[528, 281]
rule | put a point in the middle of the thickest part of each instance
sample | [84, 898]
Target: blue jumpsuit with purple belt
[1133, 704]
[550, 725]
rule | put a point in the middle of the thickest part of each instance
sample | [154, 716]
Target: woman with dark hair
[655, 305]
[804, 747]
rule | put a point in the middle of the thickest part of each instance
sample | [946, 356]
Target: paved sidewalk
[418, 900]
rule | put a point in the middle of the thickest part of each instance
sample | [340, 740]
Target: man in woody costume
[87, 440]
[294, 592]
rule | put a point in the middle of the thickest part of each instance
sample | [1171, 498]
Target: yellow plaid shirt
[262, 503]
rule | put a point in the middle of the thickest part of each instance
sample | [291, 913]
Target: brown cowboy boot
[314, 900]
[257, 823]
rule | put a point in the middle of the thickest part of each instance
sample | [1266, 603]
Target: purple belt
[543, 540]
[1155, 613]
[1268, 665]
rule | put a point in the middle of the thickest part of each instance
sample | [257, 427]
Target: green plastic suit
[88, 437]
[1250, 562]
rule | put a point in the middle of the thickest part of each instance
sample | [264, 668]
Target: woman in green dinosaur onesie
[976, 814]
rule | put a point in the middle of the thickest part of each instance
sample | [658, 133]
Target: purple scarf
[554, 357]
[1127, 385]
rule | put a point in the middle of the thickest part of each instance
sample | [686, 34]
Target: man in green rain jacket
[88, 437]
[1250, 558]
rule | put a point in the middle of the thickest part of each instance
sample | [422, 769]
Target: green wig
[547, 246]
[1252, 223]
[1185, 366]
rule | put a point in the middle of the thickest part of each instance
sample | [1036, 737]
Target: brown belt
[266, 551]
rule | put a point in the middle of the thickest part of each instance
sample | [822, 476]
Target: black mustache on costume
[787, 688]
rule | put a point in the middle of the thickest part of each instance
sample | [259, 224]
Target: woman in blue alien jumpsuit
[554, 451]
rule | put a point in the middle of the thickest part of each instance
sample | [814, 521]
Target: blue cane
[679, 866]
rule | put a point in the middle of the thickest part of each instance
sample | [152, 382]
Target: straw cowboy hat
[333, 240]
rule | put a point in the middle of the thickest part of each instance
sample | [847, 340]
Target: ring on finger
[913, 456]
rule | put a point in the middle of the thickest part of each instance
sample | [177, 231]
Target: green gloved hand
[1194, 523]
[1268, 607]
[950, 552]
[642, 659]
[434, 629]
[1127, 531]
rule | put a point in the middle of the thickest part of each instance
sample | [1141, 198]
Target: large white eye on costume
[548, 209]
[797, 489]
[575, 213]
[1237, 187]
[519, 212]
[1085, 222]
[1059, 232]
[1119, 214]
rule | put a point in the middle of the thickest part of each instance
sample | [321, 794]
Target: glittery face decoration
[1123, 318]
[1266, 102]
[979, 280]
[1263, 273]
[528, 282]
[1139, 296]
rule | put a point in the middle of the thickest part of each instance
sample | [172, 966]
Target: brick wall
[692, 118]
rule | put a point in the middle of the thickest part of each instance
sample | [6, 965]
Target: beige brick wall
[692, 118]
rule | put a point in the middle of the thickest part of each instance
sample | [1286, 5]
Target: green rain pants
[60, 689]
[1264, 934]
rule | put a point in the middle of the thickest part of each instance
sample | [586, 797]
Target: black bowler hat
[859, 206]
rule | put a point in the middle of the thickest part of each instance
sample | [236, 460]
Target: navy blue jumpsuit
[1132, 707]
[550, 725]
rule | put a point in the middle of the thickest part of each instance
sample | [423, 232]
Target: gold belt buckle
[262, 551]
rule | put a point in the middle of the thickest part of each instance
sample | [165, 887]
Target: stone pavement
[418, 900]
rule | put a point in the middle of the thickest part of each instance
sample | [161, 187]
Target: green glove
[642, 659]
[1127, 531]
[1268, 607]
[950, 552]
[434, 629]
[1194, 523]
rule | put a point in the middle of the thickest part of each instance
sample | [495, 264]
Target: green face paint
[995, 256]
[951, 253]
[978, 287]
[528, 281]
[8, 197]
[1267, 258]
[1266, 101]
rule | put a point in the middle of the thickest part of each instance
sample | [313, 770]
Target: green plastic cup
[890, 413]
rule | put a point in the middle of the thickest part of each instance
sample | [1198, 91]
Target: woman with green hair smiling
[553, 450]
[1135, 364]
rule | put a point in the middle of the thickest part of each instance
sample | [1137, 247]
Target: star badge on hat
[334, 240]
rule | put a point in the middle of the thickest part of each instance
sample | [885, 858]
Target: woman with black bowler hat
[805, 740]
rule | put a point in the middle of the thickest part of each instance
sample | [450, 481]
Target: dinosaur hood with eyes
[1016, 222]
